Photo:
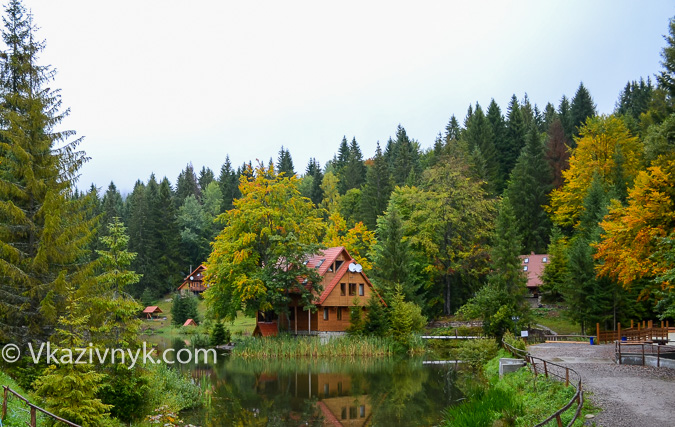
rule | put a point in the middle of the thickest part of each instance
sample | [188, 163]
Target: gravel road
[628, 395]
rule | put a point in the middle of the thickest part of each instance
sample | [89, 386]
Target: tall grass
[287, 346]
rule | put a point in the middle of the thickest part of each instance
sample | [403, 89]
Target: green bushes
[220, 335]
[483, 408]
[172, 389]
[514, 342]
[476, 353]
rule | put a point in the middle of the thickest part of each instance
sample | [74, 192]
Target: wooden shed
[151, 311]
[190, 322]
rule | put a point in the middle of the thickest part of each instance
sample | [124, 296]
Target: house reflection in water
[336, 399]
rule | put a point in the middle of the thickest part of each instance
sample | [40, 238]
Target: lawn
[553, 319]
[242, 325]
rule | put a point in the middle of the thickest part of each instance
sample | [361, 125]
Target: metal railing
[653, 350]
[553, 370]
[33, 409]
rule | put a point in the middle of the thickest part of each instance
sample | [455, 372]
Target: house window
[524, 268]
[338, 264]
[339, 313]
[319, 263]
[362, 411]
[352, 289]
[544, 259]
[340, 388]
[360, 289]
[343, 289]
[527, 260]
[326, 390]
[352, 412]
[344, 413]
[325, 313]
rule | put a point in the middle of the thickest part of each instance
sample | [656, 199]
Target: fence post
[618, 331]
[597, 330]
[557, 418]
[4, 403]
[567, 377]
[631, 323]
[545, 369]
[619, 352]
[643, 354]
[33, 417]
[658, 356]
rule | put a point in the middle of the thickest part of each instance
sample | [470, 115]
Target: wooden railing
[575, 338]
[553, 370]
[33, 409]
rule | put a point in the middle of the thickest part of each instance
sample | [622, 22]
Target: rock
[589, 416]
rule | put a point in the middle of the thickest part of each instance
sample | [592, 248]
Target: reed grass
[287, 346]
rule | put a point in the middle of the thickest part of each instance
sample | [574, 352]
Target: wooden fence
[553, 370]
[640, 332]
[33, 409]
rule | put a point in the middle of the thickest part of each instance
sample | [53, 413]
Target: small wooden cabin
[342, 282]
[194, 282]
[151, 311]
[190, 322]
[533, 266]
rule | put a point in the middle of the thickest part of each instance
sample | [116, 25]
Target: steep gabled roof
[325, 258]
[186, 281]
[266, 329]
[152, 309]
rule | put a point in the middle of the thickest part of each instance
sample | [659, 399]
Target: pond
[347, 392]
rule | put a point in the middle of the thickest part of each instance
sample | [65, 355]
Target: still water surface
[347, 392]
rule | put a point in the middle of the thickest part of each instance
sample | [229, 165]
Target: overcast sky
[153, 85]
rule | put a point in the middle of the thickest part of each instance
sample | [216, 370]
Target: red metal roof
[535, 268]
[152, 309]
[190, 322]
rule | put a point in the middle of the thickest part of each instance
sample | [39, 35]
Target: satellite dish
[358, 268]
[352, 267]
[192, 278]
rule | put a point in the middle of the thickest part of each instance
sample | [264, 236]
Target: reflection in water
[382, 392]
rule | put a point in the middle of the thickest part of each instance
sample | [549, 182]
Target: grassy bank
[287, 346]
[517, 399]
[17, 412]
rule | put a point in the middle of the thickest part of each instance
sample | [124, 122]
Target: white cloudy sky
[153, 85]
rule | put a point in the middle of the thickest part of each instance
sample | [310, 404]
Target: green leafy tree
[259, 255]
[44, 230]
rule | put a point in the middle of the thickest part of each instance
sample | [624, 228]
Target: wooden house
[342, 282]
[151, 311]
[533, 266]
[194, 282]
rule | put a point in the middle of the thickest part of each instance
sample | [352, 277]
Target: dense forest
[442, 222]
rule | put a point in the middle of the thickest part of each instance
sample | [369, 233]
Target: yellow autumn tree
[606, 148]
[259, 256]
[632, 233]
[358, 240]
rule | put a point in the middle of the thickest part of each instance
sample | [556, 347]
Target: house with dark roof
[342, 282]
[533, 266]
[193, 282]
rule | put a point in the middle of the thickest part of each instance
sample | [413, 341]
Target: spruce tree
[354, 172]
[527, 190]
[566, 120]
[186, 185]
[44, 231]
[478, 134]
[139, 234]
[405, 158]
[515, 137]
[343, 156]
[206, 176]
[285, 162]
[666, 78]
[229, 185]
[112, 205]
[557, 153]
[314, 170]
[168, 266]
[549, 116]
[452, 130]
[582, 108]
[376, 191]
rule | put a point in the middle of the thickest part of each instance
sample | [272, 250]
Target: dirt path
[628, 395]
